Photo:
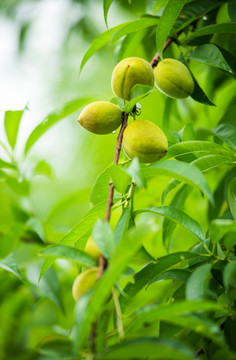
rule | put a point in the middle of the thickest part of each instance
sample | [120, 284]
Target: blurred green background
[42, 45]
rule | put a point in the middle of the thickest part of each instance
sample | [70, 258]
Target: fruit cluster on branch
[141, 138]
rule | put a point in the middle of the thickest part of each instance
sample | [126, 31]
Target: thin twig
[102, 260]
[156, 58]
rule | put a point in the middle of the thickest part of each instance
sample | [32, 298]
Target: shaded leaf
[141, 348]
[227, 133]
[232, 197]
[197, 285]
[210, 54]
[229, 273]
[211, 29]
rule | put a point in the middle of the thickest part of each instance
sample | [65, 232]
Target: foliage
[169, 289]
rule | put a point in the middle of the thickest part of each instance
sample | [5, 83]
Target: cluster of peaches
[141, 138]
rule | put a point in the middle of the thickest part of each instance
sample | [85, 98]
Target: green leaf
[178, 201]
[9, 264]
[179, 170]
[210, 54]
[122, 225]
[229, 273]
[8, 240]
[69, 253]
[79, 233]
[106, 6]
[138, 92]
[179, 217]
[100, 189]
[158, 5]
[209, 30]
[6, 165]
[227, 133]
[53, 118]
[198, 94]
[99, 42]
[180, 313]
[209, 162]
[197, 285]
[150, 271]
[232, 9]
[135, 172]
[43, 168]
[199, 148]
[103, 237]
[220, 227]
[50, 286]
[133, 26]
[232, 197]
[125, 250]
[158, 348]
[195, 10]
[12, 123]
[120, 178]
[167, 20]
[176, 274]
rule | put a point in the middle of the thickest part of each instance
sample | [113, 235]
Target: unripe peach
[144, 140]
[129, 72]
[173, 79]
[101, 117]
[92, 249]
[84, 282]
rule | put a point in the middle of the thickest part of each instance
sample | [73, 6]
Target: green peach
[101, 117]
[173, 79]
[92, 249]
[129, 72]
[84, 282]
[144, 140]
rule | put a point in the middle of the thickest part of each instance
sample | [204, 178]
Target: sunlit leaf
[69, 253]
[53, 118]
[12, 123]
[103, 237]
[180, 171]
[133, 26]
[167, 20]
[179, 217]
[9, 264]
[232, 197]
[106, 6]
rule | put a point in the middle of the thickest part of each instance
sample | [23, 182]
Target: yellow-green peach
[92, 249]
[101, 117]
[129, 72]
[173, 79]
[84, 282]
[144, 140]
